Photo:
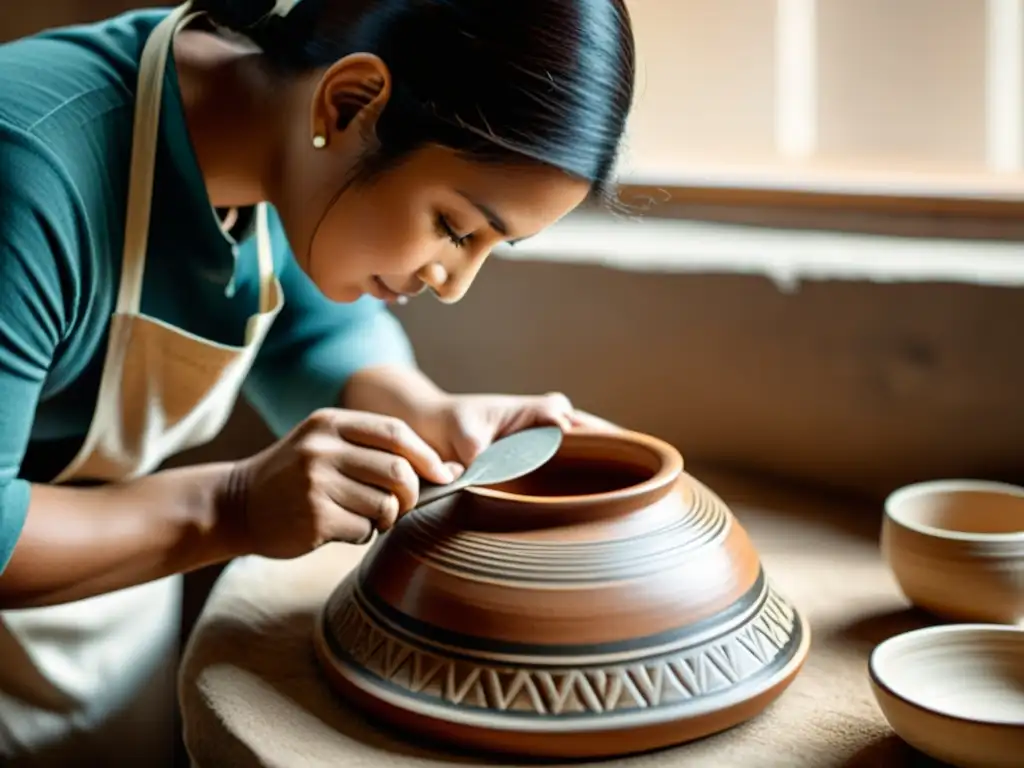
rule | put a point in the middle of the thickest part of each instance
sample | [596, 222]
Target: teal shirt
[66, 114]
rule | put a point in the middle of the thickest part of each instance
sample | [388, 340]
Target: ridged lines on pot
[706, 521]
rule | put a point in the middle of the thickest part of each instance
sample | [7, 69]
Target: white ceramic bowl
[955, 692]
[956, 548]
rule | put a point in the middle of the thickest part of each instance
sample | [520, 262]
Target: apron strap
[144, 140]
[265, 256]
[145, 134]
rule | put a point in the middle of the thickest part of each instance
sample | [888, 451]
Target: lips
[387, 293]
[383, 289]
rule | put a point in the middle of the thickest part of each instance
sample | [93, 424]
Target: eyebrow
[497, 223]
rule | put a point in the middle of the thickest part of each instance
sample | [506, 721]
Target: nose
[450, 284]
[434, 276]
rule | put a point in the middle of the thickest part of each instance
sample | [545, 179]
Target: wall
[848, 86]
[855, 383]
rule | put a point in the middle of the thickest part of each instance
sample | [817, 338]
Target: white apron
[92, 683]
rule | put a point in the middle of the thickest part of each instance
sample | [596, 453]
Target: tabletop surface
[252, 694]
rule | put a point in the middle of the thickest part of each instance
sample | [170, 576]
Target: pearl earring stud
[319, 141]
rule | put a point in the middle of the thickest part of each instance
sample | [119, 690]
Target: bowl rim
[669, 471]
[928, 632]
[895, 500]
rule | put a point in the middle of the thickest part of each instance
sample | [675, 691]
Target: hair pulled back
[548, 81]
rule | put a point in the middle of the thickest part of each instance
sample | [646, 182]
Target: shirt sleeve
[315, 345]
[35, 238]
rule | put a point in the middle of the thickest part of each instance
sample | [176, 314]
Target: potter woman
[218, 201]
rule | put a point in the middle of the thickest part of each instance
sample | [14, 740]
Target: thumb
[470, 441]
[456, 469]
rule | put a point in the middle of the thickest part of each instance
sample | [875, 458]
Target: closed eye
[445, 229]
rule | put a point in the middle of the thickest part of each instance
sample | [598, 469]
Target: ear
[351, 94]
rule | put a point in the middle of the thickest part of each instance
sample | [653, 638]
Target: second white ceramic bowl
[956, 548]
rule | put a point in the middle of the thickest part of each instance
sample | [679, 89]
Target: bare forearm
[401, 391]
[80, 542]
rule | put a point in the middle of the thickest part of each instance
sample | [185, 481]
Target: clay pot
[956, 548]
[955, 693]
[608, 603]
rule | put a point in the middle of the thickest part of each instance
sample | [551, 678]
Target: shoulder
[65, 141]
[60, 77]
[66, 109]
[42, 228]
[36, 190]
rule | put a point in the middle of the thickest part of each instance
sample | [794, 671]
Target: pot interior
[967, 510]
[588, 466]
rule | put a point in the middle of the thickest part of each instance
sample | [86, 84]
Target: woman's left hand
[462, 426]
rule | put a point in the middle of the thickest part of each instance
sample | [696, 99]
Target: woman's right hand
[338, 476]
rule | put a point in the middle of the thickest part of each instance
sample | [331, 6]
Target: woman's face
[427, 223]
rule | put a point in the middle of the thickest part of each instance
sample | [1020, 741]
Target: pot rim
[894, 508]
[671, 467]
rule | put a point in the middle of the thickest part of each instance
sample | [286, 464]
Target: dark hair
[500, 80]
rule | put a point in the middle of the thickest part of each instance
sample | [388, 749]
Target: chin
[342, 294]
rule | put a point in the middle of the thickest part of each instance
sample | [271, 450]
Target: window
[891, 98]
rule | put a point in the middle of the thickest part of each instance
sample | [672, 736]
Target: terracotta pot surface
[606, 604]
[956, 548]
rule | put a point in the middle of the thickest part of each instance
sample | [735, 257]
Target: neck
[229, 106]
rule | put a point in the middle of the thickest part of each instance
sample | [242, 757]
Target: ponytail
[260, 22]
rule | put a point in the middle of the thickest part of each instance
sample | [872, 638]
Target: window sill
[869, 177]
[820, 186]
[656, 244]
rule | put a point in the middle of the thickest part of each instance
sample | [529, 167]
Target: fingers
[584, 420]
[468, 443]
[367, 538]
[379, 484]
[362, 502]
[351, 511]
[555, 408]
[352, 529]
[560, 410]
[374, 466]
[392, 436]
[336, 523]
